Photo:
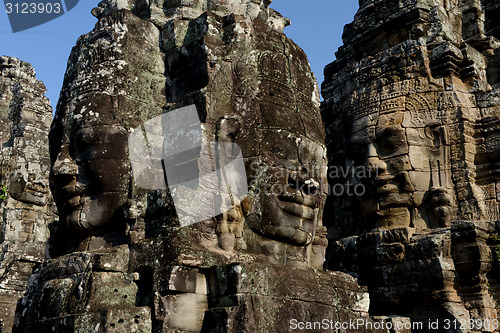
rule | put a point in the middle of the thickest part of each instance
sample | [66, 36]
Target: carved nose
[375, 166]
[64, 165]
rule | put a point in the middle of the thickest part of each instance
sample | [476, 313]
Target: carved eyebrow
[389, 130]
[361, 137]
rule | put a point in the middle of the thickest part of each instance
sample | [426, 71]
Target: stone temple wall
[28, 209]
[396, 172]
[411, 112]
[121, 259]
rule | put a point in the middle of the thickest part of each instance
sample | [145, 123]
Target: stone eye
[390, 145]
[357, 152]
[82, 145]
[390, 141]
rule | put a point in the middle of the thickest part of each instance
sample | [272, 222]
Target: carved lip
[298, 198]
[73, 202]
[71, 196]
[387, 188]
[298, 205]
[393, 183]
[72, 190]
[384, 179]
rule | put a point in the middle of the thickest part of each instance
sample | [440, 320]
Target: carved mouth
[73, 203]
[389, 183]
[391, 191]
[72, 200]
[384, 179]
[298, 205]
[71, 196]
[387, 188]
[301, 211]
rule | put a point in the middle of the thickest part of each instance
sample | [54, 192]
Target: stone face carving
[90, 201]
[431, 118]
[251, 86]
[286, 161]
[404, 150]
[409, 114]
[28, 210]
[285, 158]
[90, 174]
[411, 124]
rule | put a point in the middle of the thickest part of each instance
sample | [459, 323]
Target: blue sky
[316, 27]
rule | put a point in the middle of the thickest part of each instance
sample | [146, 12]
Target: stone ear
[437, 133]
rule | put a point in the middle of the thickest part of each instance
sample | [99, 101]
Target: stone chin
[390, 191]
[96, 215]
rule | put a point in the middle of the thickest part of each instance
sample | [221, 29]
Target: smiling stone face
[109, 94]
[257, 92]
[383, 151]
[404, 153]
[288, 193]
[271, 89]
[90, 177]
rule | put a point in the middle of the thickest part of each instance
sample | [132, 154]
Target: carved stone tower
[411, 113]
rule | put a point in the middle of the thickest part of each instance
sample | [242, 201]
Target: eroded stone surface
[25, 215]
[410, 112]
[410, 101]
[251, 86]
